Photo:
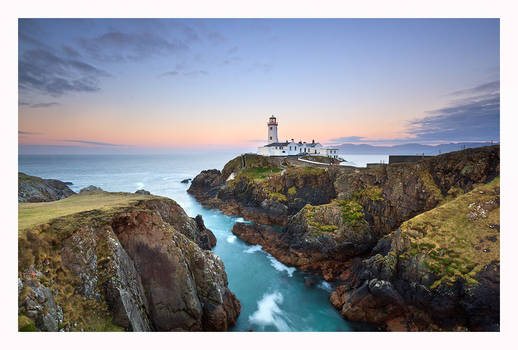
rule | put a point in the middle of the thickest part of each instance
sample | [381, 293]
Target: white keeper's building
[292, 148]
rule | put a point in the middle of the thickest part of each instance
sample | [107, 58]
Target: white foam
[280, 266]
[253, 249]
[269, 313]
[325, 286]
[231, 239]
[240, 220]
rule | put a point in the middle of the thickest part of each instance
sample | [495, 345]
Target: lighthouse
[272, 130]
[274, 148]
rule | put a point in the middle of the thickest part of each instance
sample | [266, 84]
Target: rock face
[439, 270]
[142, 267]
[256, 188]
[36, 189]
[352, 225]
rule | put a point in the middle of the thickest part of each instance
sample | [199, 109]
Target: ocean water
[273, 296]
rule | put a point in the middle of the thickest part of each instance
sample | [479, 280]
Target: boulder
[144, 192]
[90, 188]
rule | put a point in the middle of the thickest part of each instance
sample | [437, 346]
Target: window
[270, 137]
[271, 128]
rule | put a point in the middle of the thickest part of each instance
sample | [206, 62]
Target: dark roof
[277, 144]
[286, 144]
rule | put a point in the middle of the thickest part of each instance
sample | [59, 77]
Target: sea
[273, 296]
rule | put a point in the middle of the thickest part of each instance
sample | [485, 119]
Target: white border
[11, 10]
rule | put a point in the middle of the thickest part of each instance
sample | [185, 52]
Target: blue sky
[213, 83]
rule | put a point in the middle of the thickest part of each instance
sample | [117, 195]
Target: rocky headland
[35, 189]
[132, 262]
[402, 240]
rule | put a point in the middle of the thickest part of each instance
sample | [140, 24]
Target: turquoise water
[274, 297]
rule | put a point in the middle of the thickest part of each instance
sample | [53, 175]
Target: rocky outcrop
[145, 266]
[144, 192]
[369, 203]
[365, 228]
[90, 188]
[308, 244]
[36, 189]
[439, 270]
[261, 191]
[395, 193]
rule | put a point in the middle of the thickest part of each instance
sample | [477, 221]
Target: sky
[152, 85]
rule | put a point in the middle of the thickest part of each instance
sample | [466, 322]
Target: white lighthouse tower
[272, 130]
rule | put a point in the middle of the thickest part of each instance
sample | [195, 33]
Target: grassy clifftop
[459, 238]
[33, 214]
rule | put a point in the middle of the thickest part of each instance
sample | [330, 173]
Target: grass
[321, 217]
[25, 324]
[260, 173]
[278, 197]
[371, 192]
[456, 238]
[352, 212]
[431, 186]
[309, 213]
[33, 214]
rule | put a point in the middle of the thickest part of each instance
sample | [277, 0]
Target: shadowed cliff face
[333, 218]
[143, 266]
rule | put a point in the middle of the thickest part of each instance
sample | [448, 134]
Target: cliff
[438, 270]
[333, 217]
[36, 189]
[262, 189]
[104, 261]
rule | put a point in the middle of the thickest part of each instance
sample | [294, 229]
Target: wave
[325, 286]
[280, 266]
[269, 313]
[253, 249]
[231, 239]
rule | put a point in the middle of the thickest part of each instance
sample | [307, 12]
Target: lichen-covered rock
[36, 189]
[37, 302]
